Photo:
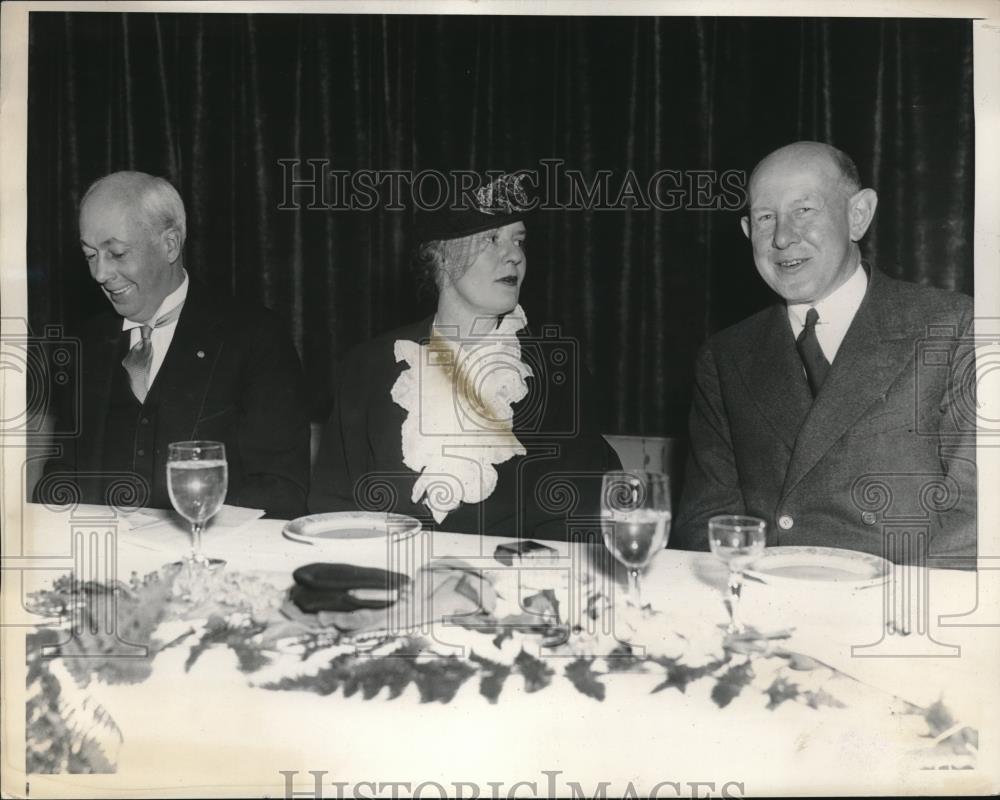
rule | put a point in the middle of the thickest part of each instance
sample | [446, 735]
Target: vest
[129, 438]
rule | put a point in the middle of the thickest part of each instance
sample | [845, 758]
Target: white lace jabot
[459, 420]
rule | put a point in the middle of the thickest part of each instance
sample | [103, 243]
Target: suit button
[868, 518]
[785, 522]
[144, 420]
[140, 452]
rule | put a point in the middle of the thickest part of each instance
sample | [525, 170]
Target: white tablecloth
[210, 731]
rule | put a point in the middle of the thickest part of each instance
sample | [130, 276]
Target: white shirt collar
[836, 312]
[170, 302]
[842, 303]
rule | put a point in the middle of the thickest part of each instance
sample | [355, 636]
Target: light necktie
[139, 359]
[811, 353]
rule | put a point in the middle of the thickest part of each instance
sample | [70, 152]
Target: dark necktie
[811, 353]
[139, 360]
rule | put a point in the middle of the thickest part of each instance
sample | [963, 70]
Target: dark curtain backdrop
[214, 101]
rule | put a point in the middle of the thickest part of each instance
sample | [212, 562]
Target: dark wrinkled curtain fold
[217, 103]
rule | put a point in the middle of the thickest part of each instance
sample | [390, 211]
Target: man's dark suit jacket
[886, 447]
[360, 462]
[231, 375]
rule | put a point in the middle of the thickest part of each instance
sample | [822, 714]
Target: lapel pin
[200, 354]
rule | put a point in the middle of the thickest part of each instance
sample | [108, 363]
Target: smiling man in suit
[174, 361]
[819, 414]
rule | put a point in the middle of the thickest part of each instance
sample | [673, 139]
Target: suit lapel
[870, 358]
[772, 371]
[185, 375]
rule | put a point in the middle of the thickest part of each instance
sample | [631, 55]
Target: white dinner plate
[341, 525]
[832, 566]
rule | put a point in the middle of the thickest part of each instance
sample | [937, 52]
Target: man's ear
[171, 239]
[860, 212]
[745, 224]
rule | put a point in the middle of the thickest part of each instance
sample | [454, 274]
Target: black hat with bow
[495, 204]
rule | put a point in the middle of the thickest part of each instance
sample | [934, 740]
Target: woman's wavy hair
[435, 259]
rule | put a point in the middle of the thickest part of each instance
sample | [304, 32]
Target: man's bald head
[155, 200]
[815, 153]
[807, 212]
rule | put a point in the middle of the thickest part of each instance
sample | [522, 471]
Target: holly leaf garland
[731, 683]
[821, 698]
[622, 659]
[583, 677]
[323, 682]
[780, 691]
[144, 603]
[679, 675]
[218, 631]
[492, 676]
[440, 680]
[537, 675]
[372, 675]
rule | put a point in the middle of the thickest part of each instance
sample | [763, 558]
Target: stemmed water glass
[197, 479]
[738, 541]
[635, 512]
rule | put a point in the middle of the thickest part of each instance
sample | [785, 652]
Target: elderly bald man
[821, 414]
[173, 361]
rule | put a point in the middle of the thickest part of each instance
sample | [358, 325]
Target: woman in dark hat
[464, 420]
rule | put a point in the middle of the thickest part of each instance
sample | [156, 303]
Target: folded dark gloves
[345, 587]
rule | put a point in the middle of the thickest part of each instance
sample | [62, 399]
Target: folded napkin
[439, 591]
[345, 587]
[229, 518]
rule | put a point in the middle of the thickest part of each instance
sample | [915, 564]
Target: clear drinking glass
[197, 479]
[738, 541]
[635, 511]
